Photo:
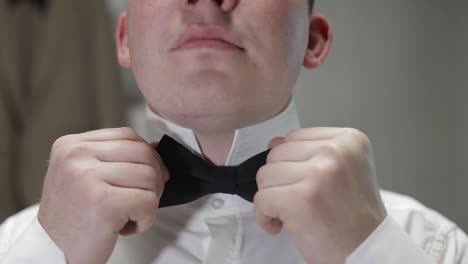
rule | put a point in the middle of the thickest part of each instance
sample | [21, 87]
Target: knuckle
[76, 170]
[146, 223]
[161, 178]
[164, 173]
[161, 173]
[274, 155]
[261, 199]
[74, 150]
[358, 136]
[144, 153]
[159, 192]
[310, 193]
[151, 201]
[257, 199]
[355, 132]
[70, 179]
[293, 134]
[149, 176]
[147, 151]
[59, 144]
[70, 174]
[262, 176]
[330, 148]
[129, 133]
[329, 167]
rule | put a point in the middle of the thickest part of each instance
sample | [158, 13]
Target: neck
[224, 145]
[215, 147]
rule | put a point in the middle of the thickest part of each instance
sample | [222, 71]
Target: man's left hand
[320, 183]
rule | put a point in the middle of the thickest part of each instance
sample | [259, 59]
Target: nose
[225, 5]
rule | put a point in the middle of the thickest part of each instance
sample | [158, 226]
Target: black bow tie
[191, 177]
[39, 4]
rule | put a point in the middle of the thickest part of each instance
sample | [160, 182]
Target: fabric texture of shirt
[220, 228]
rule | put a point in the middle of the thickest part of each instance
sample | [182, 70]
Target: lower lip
[208, 44]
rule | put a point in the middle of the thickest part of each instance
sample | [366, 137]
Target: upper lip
[196, 32]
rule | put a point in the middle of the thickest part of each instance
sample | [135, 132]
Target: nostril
[219, 2]
[225, 5]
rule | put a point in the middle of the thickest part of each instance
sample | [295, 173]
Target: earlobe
[121, 39]
[320, 40]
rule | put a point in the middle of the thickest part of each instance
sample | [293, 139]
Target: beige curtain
[58, 75]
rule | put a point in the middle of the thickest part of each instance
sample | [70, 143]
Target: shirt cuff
[389, 244]
[34, 246]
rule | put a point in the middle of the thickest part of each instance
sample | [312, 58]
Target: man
[218, 77]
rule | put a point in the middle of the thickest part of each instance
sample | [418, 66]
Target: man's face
[243, 79]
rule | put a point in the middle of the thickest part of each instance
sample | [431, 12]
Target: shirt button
[217, 203]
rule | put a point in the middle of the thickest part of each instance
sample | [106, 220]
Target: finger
[132, 175]
[275, 142]
[282, 173]
[123, 151]
[131, 152]
[133, 205]
[107, 134]
[302, 150]
[314, 133]
[269, 207]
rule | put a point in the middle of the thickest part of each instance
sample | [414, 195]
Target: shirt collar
[248, 141]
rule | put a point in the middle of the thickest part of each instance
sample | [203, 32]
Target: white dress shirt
[220, 228]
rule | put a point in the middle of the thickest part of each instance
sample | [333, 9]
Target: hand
[320, 184]
[98, 185]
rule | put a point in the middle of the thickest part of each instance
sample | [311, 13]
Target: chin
[209, 107]
[204, 112]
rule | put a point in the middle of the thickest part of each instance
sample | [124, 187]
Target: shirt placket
[226, 235]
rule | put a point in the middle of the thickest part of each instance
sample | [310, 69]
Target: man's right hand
[98, 185]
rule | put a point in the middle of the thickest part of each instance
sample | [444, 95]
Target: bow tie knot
[191, 177]
[223, 180]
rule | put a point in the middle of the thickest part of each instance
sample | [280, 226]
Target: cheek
[287, 32]
[150, 37]
[146, 32]
[279, 36]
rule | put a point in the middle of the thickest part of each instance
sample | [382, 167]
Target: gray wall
[462, 110]
[398, 72]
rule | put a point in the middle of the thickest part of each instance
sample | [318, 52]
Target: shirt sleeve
[23, 240]
[455, 250]
[389, 244]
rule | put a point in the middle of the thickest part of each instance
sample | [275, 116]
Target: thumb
[275, 142]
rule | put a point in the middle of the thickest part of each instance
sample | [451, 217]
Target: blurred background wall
[461, 111]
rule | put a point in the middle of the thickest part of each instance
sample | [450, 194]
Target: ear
[320, 41]
[121, 40]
